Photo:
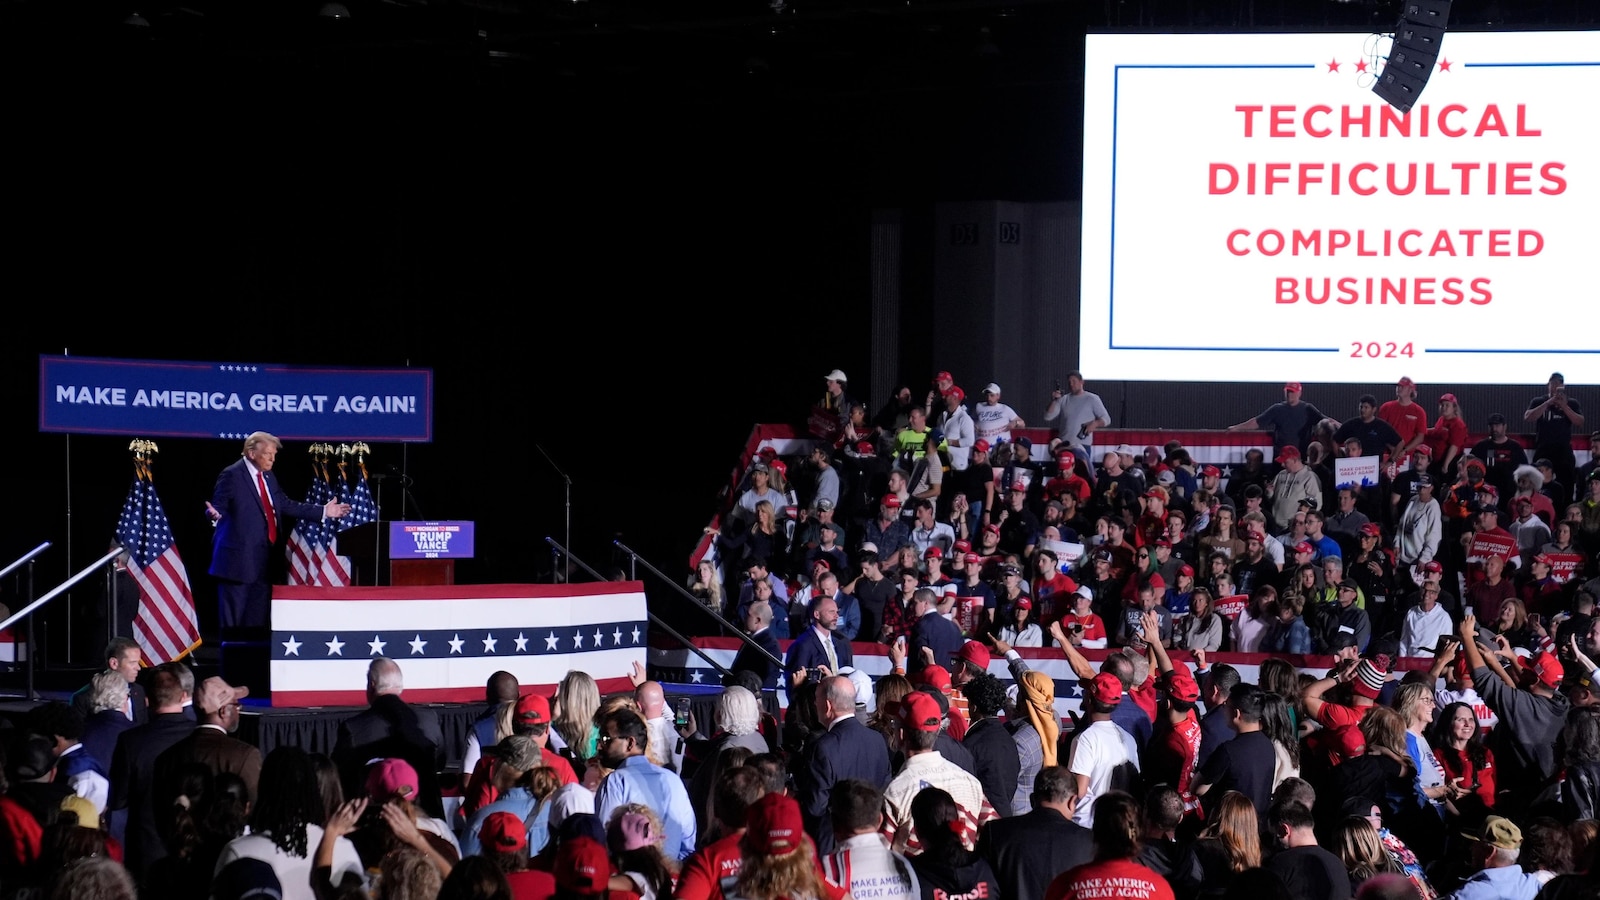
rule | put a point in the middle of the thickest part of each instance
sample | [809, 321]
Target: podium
[417, 572]
[417, 553]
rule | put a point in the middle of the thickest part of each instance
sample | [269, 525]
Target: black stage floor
[315, 729]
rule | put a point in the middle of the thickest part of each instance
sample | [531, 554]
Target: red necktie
[266, 505]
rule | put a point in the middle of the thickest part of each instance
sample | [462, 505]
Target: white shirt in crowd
[1422, 629]
[1096, 754]
[994, 422]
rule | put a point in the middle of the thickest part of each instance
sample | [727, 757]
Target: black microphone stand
[568, 541]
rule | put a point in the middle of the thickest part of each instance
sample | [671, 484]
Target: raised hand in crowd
[1579, 659]
[343, 821]
[897, 656]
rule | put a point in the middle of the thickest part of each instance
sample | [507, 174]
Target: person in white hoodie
[1416, 537]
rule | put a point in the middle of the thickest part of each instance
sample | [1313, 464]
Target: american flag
[165, 627]
[313, 558]
[362, 510]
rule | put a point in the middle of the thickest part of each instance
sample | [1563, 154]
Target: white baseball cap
[992, 388]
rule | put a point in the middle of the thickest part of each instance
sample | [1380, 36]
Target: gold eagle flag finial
[144, 451]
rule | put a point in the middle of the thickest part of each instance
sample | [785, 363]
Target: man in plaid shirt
[920, 717]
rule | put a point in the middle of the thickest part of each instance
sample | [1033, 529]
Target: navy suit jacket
[943, 635]
[806, 652]
[847, 750]
[747, 658]
[239, 548]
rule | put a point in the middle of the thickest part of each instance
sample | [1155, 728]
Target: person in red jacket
[1067, 481]
[532, 718]
[719, 861]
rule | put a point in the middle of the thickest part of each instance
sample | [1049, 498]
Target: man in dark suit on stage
[849, 749]
[133, 769]
[248, 510]
[818, 647]
[390, 727]
[1026, 852]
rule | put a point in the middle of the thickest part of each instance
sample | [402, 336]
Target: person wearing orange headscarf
[1038, 730]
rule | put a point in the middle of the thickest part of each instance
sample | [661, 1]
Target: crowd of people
[1447, 751]
[1452, 748]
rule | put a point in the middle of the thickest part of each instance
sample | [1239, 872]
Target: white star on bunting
[599, 639]
[616, 636]
[636, 634]
[455, 643]
[577, 639]
[291, 647]
[489, 643]
[522, 643]
[417, 643]
[695, 676]
[550, 642]
[335, 646]
[377, 645]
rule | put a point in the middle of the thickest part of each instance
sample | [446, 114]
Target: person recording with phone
[1076, 415]
[662, 724]
[1554, 415]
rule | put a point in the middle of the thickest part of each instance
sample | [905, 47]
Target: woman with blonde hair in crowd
[572, 727]
[1357, 845]
[778, 862]
[1229, 845]
[764, 540]
[1384, 771]
[635, 837]
[706, 585]
[889, 691]
[1415, 704]
[1400, 856]
[652, 751]
[1513, 624]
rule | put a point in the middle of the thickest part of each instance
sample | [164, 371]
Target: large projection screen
[1253, 212]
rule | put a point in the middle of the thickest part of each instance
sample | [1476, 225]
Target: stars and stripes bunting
[450, 639]
[166, 626]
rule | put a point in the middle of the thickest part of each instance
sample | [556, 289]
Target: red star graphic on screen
[1361, 66]
[1333, 65]
[1444, 65]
